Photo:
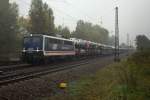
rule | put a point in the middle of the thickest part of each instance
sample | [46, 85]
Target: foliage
[63, 31]
[127, 80]
[143, 43]
[122, 81]
[87, 31]
[24, 25]
[123, 45]
[8, 27]
[41, 18]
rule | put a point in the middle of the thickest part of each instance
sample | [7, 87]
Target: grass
[127, 80]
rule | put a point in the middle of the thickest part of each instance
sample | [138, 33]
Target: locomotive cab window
[33, 42]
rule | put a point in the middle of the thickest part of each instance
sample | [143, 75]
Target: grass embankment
[127, 80]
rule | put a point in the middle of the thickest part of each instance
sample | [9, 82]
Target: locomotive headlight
[37, 49]
[24, 50]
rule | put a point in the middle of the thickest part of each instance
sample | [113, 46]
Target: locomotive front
[32, 48]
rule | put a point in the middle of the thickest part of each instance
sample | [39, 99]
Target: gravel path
[48, 85]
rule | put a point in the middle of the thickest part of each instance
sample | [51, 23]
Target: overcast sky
[134, 15]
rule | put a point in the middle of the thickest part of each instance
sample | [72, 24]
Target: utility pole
[63, 25]
[101, 21]
[116, 36]
[128, 41]
[49, 28]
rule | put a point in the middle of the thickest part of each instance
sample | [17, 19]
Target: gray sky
[134, 15]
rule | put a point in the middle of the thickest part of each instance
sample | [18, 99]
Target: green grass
[127, 80]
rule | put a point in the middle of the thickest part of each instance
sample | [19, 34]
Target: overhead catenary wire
[68, 17]
[58, 10]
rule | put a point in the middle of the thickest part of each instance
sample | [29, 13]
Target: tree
[64, 32]
[88, 31]
[142, 42]
[24, 25]
[123, 45]
[41, 18]
[8, 26]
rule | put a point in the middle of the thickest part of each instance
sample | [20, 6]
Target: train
[39, 48]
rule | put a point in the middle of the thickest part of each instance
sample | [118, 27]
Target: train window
[36, 40]
[27, 40]
[33, 40]
[46, 42]
[59, 41]
[68, 42]
[51, 40]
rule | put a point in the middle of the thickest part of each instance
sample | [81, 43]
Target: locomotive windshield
[34, 42]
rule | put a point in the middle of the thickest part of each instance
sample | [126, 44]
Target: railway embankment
[127, 80]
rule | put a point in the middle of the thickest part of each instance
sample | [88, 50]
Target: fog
[134, 15]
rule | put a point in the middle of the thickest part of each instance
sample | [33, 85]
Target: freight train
[41, 48]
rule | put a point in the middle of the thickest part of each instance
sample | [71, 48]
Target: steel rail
[29, 75]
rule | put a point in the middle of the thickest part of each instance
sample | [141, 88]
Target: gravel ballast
[47, 85]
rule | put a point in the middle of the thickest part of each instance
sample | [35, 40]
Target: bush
[128, 80]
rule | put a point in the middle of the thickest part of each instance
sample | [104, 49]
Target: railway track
[13, 67]
[25, 73]
[10, 63]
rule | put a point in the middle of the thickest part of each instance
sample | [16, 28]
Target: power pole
[116, 36]
[101, 21]
[63, 25]
[128, 43]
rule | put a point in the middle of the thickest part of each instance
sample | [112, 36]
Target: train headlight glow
[37, 49]
[24, 50]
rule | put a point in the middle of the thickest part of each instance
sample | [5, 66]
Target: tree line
[8, 27]
[40, 20]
